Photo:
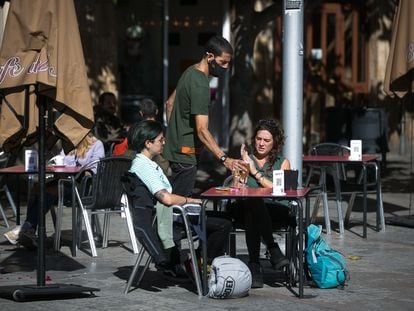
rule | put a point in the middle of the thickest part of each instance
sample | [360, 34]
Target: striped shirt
[150, 174]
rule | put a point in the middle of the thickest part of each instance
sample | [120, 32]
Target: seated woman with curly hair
[259, 215]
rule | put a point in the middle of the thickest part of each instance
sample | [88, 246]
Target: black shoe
[175, 272]
[161, 265]
[173, 255]
[257, 274]
[277, 259]
[28, 239]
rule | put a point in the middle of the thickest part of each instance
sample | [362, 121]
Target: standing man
[187, 115]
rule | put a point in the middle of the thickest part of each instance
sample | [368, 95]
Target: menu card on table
[30, 160]
[356, 150]
[278, 182]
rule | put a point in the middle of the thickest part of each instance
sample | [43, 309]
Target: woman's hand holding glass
[244, 173]
[248, 165]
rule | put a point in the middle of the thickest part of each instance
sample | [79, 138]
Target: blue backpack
[326, 265]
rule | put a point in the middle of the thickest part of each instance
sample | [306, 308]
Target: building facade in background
[346, 45]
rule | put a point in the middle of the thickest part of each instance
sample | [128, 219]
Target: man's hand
[234, 164]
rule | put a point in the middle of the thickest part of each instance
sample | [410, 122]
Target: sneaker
[13, 235]
[257, 274]
[277, 259]
[28, 239]
[175, 272]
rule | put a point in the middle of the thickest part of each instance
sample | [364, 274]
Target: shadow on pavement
[22, 260]
[154, 281]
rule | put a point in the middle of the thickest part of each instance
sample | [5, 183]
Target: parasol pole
[41, 254]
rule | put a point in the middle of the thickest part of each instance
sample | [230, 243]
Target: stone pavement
[381, 279]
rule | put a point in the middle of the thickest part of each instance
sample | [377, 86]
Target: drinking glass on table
[244, 173]
[236, 178]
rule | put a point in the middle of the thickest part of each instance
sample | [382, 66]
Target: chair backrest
[5, 161]
[333, 149]
[142, 203]
[137, 192]
[106, 184]
[330, 149]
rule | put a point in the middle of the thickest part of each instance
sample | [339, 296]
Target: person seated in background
[108, 126]
[259, 214]
[147, 139]
[87, 151]
[148, 110]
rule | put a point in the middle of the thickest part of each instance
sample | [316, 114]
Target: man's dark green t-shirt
[192, 98]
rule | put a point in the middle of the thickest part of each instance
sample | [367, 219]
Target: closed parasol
[399, 78]
[399, 74]
[42, 66]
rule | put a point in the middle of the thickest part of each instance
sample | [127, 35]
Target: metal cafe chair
[100, 194]
[142, 203]
[337, 171]
[4, 162]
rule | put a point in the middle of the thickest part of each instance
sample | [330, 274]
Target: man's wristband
[223, 158]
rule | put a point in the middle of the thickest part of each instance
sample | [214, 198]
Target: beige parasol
[399, 74]
[41, 46]
[41, 57]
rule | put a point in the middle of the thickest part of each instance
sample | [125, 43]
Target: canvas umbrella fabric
[399, 74]
[41, 46]
[42, 62]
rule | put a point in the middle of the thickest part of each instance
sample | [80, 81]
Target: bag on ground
[229, 278]
[326, 265]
